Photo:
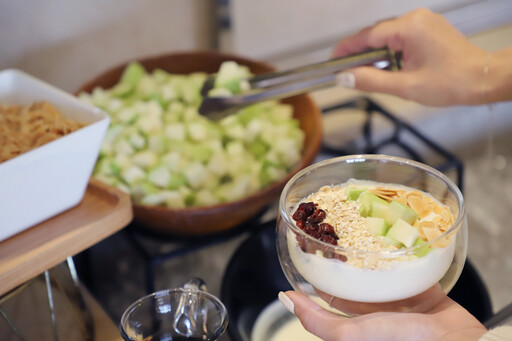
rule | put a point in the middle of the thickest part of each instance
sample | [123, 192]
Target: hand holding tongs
[277, 85]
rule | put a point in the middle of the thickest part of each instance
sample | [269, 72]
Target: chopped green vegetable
[163, 152]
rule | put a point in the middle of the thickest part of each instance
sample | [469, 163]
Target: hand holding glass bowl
[411, 281]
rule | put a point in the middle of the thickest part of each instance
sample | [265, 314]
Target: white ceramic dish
[52, 178]
[275, 323]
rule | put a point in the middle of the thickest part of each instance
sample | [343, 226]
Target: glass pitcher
[186, 313]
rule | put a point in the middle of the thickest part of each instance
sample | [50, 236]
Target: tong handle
[370, 57]
[277, 85]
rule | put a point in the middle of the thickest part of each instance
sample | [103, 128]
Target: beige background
[68, 42]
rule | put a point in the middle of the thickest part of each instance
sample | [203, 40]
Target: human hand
[440, 66]
[446, 321]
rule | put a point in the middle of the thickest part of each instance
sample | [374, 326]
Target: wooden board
[103, 211]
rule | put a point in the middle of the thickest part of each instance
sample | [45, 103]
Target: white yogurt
[403, 279]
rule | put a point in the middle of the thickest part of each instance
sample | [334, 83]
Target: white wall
[66, 42]
[277, 29]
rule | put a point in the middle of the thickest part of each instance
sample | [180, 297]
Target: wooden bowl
[200, 221]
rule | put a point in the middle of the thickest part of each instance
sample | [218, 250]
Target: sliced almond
[385, 197]
[415, 194]
[437, 209]
[401, 199]
[385, 190]
[433, 233]
[416, 203]
[427, 224]
[427, 210]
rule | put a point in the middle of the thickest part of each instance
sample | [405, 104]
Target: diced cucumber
[366, 199]
[422, 250]
[143, 188]
[133, 74]
[353, 193]
[230, 76]
[218, 164]
[145, 159]
[195, 173]
[137, 140]
[176, 181]
[159, 176]
[390, 241]
[133, 174]
[379, 209]
[199, 152]
[165, 198]
[175, 131]
[403, 232]
[155, 123]
[206, 198]
[378, 226]
[400, 211]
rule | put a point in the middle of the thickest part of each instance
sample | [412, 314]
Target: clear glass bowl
[322, 272]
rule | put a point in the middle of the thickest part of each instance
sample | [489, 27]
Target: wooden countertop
[103, 211]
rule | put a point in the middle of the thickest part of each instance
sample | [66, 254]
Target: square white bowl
[52, 178]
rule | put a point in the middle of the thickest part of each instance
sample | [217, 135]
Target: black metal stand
[185, 244]
[451, 162]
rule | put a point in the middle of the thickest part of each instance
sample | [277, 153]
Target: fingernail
[286, 301]
[346, 79]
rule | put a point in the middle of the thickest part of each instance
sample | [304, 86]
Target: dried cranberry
[302, 243]
[300, 224]
[307, 207]
[342, 258]
[317, 234]
[310, 229]
[317, 217]
[299, 215]
[326, 228]
[327, 238]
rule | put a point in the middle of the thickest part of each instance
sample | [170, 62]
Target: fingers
[375, 80]
[383, 34]
[314, 318]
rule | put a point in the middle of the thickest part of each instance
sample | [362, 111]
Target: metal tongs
[277, 85]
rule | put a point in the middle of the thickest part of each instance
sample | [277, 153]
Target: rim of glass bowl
[137, 303]
[382, 158]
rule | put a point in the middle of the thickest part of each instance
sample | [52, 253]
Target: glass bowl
[333, 276]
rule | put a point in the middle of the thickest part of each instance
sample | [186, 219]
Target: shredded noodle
[26, 128]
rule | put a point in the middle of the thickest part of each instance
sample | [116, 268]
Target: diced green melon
[390, 241]
[400, 211]
[353, 193]
[175, 131]
[378, 226]
[176, 181]
[145, 159]
[230, 75]
[132, 74]
[195, 173]
[379, 209]
[132, 174]
[422, 250]
[403, 232]
[159, 176]
[367, 199]
[155, 122]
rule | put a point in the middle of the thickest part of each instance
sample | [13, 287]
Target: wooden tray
[103, 211]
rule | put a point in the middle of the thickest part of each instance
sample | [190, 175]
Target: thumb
[369, 78]
[314, 318]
